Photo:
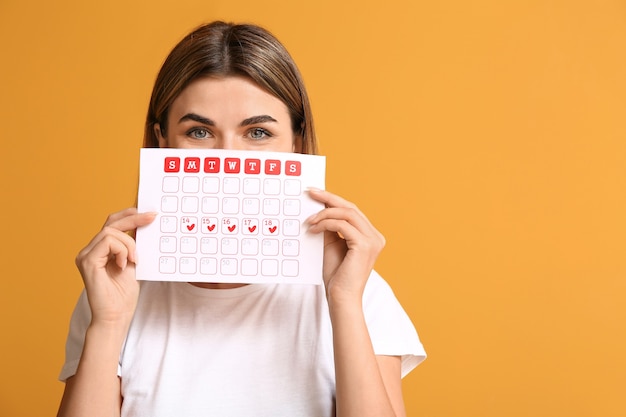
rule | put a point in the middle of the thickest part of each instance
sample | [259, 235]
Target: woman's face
[228, 113]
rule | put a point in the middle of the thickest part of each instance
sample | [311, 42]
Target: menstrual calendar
[229, 216]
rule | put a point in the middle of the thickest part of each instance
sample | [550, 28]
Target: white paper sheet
[229, 216]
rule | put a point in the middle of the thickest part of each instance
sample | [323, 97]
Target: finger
[119, 215]
[341, 228]
[351, 215]
[329, 199]
[119, 227]
[112, 244]
[106, 235]
[354, 238]
[120, 253]
[349, 223]
[334, 201]
[133, 221]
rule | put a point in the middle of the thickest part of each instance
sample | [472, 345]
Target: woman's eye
[199, 133]
[258, 133]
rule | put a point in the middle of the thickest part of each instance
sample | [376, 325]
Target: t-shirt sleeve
[81, 317]
[390, 328]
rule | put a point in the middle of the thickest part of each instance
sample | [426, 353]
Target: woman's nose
[228, 143]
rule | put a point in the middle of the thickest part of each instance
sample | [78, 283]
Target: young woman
[209, 349]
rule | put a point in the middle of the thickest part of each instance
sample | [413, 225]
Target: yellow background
[486, 139]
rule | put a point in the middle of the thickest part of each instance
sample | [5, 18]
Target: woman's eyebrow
[257, 119]
[197, 118]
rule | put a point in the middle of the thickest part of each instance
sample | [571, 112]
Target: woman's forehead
[231, 95]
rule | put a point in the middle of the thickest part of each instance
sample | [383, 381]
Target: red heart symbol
[190, 227]
[231, 228]
[272, 229]
[211, 227]
[252, 229]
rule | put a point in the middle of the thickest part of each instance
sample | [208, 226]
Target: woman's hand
[351, 245]
[107, 265]
[366, 385]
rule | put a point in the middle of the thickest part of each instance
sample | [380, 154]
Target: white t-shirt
[258, 350]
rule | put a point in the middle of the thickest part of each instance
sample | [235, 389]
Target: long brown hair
[226, 49]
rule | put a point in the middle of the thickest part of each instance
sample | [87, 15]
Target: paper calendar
[229, 216]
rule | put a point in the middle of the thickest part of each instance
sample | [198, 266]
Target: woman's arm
[95, 388]
[107, 267]
[367, 385]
